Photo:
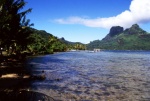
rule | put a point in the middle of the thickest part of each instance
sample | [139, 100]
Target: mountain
[133, 38]
[73, 45]
[42, 42]
[116, 30]
[68, 42]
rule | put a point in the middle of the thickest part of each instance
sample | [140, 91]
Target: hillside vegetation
[17, 35]
[42, 42]
[133, 38]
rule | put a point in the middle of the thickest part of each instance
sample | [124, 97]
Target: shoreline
[16, 78]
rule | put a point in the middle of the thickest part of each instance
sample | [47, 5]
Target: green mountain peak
[133, 38]
[134, 29]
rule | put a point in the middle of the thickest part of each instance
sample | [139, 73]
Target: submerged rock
[23, 95]
[38, 77]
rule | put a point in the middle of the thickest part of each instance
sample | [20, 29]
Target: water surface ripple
[83, 76]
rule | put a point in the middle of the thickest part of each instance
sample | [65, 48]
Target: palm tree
[14, 26]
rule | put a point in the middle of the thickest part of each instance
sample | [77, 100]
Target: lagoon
[100, 76]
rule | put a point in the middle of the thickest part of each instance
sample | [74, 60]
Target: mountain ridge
[133, 38]
[42, 42]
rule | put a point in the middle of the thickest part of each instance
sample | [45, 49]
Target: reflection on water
[106, 75]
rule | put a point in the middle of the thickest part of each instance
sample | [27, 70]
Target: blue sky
[87, 20]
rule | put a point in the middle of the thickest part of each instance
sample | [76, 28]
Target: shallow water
[105, 75]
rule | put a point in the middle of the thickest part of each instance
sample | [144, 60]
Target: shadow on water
[38, 64]
[16, 78]
[24, 96]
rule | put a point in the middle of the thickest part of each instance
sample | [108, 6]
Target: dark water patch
[116, 86]
[146, 84]
[87, 91]
[104, 88]
[112, 93]
[145, 99]
[98, 94]
[108, 84]
[106, 94]
[24, 96]
[78, 92]
[124, 88]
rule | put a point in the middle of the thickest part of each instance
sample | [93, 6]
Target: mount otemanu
[133, 38]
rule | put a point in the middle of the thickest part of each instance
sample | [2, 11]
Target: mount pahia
[133, 38]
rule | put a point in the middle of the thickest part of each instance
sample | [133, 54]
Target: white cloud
[139, 12]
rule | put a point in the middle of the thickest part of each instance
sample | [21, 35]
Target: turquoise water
[83, 76]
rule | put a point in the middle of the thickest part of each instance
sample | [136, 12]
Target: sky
[87, 20]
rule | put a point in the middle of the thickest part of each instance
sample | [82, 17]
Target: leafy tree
[13, 25]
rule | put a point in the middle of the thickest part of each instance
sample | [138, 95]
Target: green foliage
[133, 38]
[42, 42]
[93, 44]
[14, 30]
[73, 45]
